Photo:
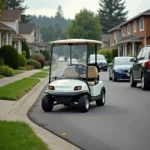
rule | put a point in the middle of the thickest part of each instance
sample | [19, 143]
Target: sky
[71, 7]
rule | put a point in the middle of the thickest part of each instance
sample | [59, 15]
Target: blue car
[120, 68]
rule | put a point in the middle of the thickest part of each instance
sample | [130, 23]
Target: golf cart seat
[70, 72]
[92, 75]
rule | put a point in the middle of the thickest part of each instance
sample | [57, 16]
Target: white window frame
[129, 27]
[123, 30]
[143, 24]
[134, 26]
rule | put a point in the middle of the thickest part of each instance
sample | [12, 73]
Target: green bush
[2, 62]
[10, 56]
[28, 67]
[46, 55]
[133, 56]
[24, 53]
[6, 71]
[38, 56]
[23, 60]
[26, 49]
[34, 63]
[109, 53]
[1, 76]
[21, 68]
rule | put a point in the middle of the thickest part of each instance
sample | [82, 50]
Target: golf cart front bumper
[65, 97]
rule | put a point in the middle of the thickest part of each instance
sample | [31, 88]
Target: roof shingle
[26, 28]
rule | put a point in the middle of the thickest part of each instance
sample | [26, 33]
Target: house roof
[145, 13]
[5, 27]
[18, 37]
[26, 28]
[11, 15]
[105, 38]
[125, 39]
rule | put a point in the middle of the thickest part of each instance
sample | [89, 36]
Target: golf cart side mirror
[133, 60]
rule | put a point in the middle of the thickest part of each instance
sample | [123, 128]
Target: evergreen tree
[59, 13]
[111, 13]
[18, 4]
[2, 7]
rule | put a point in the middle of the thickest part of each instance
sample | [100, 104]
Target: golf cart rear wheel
[84, 103]
[47, 103]
[102, 100]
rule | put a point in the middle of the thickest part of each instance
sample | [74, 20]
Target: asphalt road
[122, 124]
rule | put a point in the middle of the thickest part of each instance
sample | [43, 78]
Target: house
[27, 30]
[132, 35]
[11, 19]
[38, 35]
[105, 40]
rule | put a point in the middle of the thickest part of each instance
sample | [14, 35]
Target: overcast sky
[71, 7]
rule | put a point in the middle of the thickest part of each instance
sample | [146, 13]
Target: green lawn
[1, 76]
[40, 75]
[16, 90]
[19, 136]
[16, 72]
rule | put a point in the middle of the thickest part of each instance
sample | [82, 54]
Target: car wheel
[145, 86]
[132, 82]
[102, 100]
[83, 103]
[47, 103]
[113, 77]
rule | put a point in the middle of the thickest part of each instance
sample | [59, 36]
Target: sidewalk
[17, 111]
[8, 80]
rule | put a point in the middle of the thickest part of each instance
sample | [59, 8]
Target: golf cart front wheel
[101, 101]
[83, 103]
[47, 103]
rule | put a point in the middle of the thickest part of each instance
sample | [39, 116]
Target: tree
[59, 13]
[26, 49]
[86, 25]
[2, 7]
[111, 14]
[18, 4]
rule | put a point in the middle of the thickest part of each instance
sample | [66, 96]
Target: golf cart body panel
[71, 82]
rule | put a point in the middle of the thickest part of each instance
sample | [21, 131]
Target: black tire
[47, 103]
[102, 100]
[82, 103]
[132, 82]
[113, 78]
[145, 85]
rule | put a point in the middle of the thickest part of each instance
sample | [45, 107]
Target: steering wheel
[80, 69]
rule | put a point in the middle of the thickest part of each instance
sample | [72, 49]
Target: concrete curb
[20, 110]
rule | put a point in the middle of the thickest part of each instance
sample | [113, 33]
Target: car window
[143, 55]
[139, 56]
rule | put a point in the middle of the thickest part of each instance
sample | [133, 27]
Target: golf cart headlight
[78, 88]
[51, 87]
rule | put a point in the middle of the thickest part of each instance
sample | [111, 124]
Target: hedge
[34, 63]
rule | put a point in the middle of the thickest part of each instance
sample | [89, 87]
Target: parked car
[74, 61]
[140, 71]
[61, 59]
[101, 60]
[120, 68]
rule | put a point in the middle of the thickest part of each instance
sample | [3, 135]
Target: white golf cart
[74, 84]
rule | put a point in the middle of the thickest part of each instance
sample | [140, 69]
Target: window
[129, 28]
[139, 56]
[123, 31]
[142, 24]
[134, 26]
[144, 54]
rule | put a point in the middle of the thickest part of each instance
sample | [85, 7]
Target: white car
[61, 59]
[79, 84]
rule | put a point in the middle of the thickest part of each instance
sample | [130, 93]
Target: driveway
[122, 124]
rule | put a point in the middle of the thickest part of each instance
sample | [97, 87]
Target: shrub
[23, 61]
[6, 71]
[26, 48]
[10, 56]
[34, 63]
[24, 53]
[21, 68]
[29, 67]
[2, 62]
[46, 63]
[109, 53]
[1, 76]
[46, 55]
[38, 55]
[41, 61]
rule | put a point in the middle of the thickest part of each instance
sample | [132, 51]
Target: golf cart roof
[76, 42]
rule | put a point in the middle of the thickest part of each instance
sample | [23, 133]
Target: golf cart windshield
[69, 61]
